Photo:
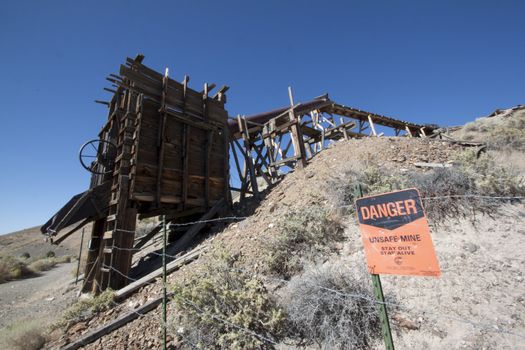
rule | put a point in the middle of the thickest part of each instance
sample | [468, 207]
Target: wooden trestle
[275, 142]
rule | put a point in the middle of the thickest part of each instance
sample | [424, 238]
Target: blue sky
[443, 62]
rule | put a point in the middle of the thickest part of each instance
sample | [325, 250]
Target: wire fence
[154, 315]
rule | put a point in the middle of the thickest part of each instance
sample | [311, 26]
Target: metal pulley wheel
[96, 156]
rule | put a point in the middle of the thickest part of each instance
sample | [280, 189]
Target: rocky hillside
[301, 245]
[289, 270]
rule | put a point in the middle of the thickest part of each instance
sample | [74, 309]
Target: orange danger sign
[396, 235]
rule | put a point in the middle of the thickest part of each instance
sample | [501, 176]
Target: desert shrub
[450, 185]
[12, 268]
[27, 335]
[465, 188]
[490, 178]
[471, 126]
[225, 308]
[372, 179]
[509, 135]
[50, 254]
[42, 264]
[45, 264]
[25, 255]
[332, 307]
[305, 233]
[85, 308]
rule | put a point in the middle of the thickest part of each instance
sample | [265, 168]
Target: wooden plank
[247, 153]
[207, 149]
[143, 240]
[433, 165]
[190, 235]
[170, 267]
[113, 325]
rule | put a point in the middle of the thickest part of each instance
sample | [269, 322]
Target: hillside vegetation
[293, 274]
[290, 271]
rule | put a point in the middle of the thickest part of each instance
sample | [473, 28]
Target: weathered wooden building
[162, 151]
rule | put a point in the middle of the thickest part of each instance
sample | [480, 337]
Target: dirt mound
[477, 303]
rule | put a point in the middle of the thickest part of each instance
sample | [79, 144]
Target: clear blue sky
[442, 62]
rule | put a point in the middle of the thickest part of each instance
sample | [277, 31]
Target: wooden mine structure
[165, 150]
[267, 145]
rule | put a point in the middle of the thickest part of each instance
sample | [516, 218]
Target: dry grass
[46, 264]
[12, 268]
[27, 335]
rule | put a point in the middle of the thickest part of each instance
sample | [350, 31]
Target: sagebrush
[464, 190]
[303, 234]
[85, 308]
[332, 307]
[225, 308]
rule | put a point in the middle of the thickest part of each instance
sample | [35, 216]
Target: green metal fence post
[164, 318]
[378, 292]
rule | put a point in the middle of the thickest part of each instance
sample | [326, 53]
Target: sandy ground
[479, 301]
[42, 297]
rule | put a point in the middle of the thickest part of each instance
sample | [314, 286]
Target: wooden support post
[297, 136]
[207, 151]
[409, 133]
[371, 123]
[345, 134]
[123, 252]
[248, 155]
[97, 231]
[422, 132]
[161, 136]
[79, 255]
[226, 165]
[186, 132]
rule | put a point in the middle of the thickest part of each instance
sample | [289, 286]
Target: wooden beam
[113, 325]
[193, 230]
[170, 267]
[248, 153]
[372, 125]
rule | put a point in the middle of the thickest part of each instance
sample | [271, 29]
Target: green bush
[50, 254]
[488, 178]
[85, 308]
[224, 308]
[303, 234]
